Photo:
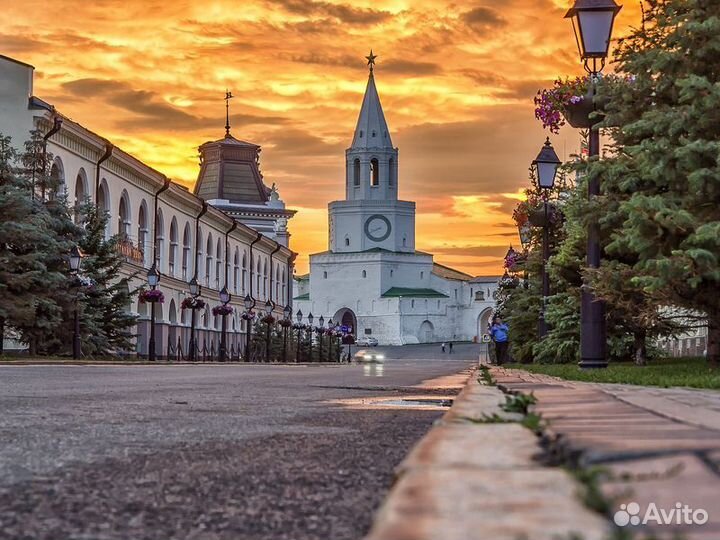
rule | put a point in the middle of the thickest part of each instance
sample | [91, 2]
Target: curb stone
[468, 480]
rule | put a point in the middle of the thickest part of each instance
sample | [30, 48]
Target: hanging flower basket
[248, 316]
[192, 303]
[285, 323]
[509, 282]
[83, 282]
[299, 327]
[569, 100]
[152, 296]
[348, 339]
[221, 310]
[268, 319]
[513, 259]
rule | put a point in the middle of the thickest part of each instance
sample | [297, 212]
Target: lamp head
[75, 258]
[546, 165]
[153, 276]
[593, 23]
[194, 287]
[248, 302]
[268, 307]
[224, 296]
[298, 316]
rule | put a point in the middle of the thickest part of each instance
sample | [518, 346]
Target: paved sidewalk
[657, 445]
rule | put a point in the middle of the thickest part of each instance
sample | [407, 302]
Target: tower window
[391, 273]
[373, 133]
[374, 172]
[391, 172]
[324, 275]
[347, 242]
[361, 133]
[364, 274]
[356, 172]
[422, 275]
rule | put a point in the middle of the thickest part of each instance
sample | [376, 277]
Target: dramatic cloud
[456, 81]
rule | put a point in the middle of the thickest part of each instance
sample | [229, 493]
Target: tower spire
[371, 61]
[228, 97]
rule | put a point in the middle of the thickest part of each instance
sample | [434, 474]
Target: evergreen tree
[33, 273]
[106, 322]
[662, 181]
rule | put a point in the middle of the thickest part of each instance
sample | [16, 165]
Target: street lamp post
[321, 324]
[195, 293]
[287, 312]
[593, 23]
[546, 165]
[298, 317]
[153, 278]
[331, 339]
[310, 331]
[75, 261]
[225, 300]
[268, 313]
[249, 304]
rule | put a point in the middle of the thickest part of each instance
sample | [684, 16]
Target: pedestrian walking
[451, 347]
[499, 333]
[442, 347]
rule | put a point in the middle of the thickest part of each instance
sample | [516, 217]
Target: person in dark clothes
[499, 333]
[450, 347]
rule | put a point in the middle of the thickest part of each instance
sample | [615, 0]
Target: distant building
[372, 278]
[239, 240]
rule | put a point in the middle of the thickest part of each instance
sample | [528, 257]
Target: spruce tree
[662, 181]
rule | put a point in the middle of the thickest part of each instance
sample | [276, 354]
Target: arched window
[347, 242]
[364, 274]
[324, 275]
[391, 172]
[244, 273]
[172, 254]
[356, 173]
[422, 275]
[404, 241]
[142, 230]
[391, 273]
[218, 265]
[199, 256]
[374, 172]
[159, 239]
[124, 216]
[81, 193]
[277, 284]
[258, 279]
[57, 179]
[236, 270]
[186, 252]
[103, 203]
[208, 259]
[265, 280]
[284, 287]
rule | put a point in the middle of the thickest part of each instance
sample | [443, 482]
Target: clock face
[377, 227]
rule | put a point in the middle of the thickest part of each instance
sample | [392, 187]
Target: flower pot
[537, 217]
[578, 114]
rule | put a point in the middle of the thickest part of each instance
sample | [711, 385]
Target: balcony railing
[131, 252]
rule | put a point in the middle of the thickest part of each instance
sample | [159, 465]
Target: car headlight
[367, 357]
[380, 357]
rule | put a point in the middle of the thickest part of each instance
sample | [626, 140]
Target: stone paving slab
[656, 445]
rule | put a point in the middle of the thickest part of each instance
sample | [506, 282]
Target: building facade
[372, 278]
[162, 221]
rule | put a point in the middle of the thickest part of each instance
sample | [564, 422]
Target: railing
[127, 249]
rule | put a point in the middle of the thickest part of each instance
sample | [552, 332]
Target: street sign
[345, 329]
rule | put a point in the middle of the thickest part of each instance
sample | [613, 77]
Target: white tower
[371, 216]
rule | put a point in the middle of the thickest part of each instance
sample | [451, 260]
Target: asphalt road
[205, 451]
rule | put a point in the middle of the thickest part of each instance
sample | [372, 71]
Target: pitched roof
[449, 273]
[372, 129]
[396, 292]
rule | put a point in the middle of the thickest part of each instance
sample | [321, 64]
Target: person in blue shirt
[499, 333]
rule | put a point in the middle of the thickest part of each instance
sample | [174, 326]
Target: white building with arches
[158, 219]
[372, 278]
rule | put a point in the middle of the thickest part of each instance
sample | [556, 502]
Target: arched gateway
[346, 317]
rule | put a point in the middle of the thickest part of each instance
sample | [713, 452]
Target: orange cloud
[456, 81]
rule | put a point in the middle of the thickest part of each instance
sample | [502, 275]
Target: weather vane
[371, 60]
[228, 97]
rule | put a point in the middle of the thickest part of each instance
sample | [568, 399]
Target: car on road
[366, 355]
[366, 341]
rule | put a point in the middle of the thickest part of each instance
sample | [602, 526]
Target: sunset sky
[456, 81]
